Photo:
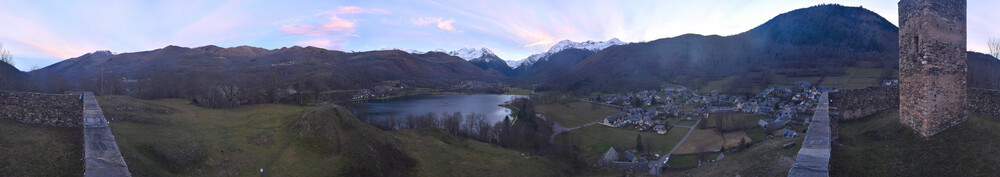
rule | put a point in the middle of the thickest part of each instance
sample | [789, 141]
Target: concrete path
[556, 128]
[814, 157]
[101, 154]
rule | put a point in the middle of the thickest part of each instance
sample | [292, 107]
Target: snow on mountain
[514, 63]
[567, 44]
[471, 53]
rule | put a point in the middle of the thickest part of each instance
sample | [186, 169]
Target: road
[605, 104]
[654, 166]
[556, 128]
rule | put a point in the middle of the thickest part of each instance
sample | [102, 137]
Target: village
[648, 109]
[658, 111]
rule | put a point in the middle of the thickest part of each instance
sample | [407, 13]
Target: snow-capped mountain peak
[566, 44]
[472, 53]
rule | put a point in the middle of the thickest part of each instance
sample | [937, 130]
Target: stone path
[101, 154]
[814, 157]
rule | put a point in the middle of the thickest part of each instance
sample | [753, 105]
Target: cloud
[334, 23]
[441, 23]
[543, 42]
[324, 43]
[358, 10]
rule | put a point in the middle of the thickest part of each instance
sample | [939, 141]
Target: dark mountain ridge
[175, 71]
[492, 63]
[815, 41]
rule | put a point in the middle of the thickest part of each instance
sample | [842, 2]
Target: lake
[488, 105]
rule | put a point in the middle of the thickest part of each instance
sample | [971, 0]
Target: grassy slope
[594, 140]
[880, 146]
[854, 77]
[27, 150]
[300, 141]
[575, 113]
[216, 142]
[441, 154]
[767, 158]
[284, 140]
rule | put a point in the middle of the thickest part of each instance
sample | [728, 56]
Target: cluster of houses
[641, 118]
[477, 85]
[628, 161]
[645, 97]
[380, 91]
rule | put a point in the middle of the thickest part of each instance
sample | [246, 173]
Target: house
[660, 129]
[789, 133]
[608, 157]
[631, 157]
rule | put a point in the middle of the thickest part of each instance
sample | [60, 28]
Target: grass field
[190, 140]
[575, 113]
[689, 160]
[756, 134]
[686, 122]
[767, 158]
[441, 154]
[28, 150]
[171, 138]
[702, 140]
[594, 140]
[879, 145]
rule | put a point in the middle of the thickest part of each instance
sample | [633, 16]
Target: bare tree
[5, 56]
[994, 45]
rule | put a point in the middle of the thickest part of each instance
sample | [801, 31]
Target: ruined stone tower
[932, 69]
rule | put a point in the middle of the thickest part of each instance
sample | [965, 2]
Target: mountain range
[819, 41]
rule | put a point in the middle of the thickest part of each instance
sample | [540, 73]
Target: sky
[41, 33]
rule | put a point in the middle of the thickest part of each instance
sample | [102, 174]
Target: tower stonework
[932, 64]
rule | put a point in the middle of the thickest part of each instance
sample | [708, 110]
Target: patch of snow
[567, 44]
[471, 53]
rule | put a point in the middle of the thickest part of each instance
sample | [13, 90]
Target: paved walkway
[101, 154]
[814, 157]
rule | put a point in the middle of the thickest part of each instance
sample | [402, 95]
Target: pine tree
[638, 142]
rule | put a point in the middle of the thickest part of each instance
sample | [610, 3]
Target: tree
[638, 142]
[5, 56]
[994, 45]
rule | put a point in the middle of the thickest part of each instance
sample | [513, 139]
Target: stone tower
[932, 69]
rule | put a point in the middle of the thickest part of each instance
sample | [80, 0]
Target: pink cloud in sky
[335, 24]
[441, 23]
[324, 43]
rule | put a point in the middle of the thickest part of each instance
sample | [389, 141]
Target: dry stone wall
[859, 103]
[60, 110]
[984, 101]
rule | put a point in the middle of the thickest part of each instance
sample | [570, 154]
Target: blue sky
[40, 33]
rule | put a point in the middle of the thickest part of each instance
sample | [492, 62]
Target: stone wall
[60, 110]
[859, 103]
[932, 64]
[984, 101]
